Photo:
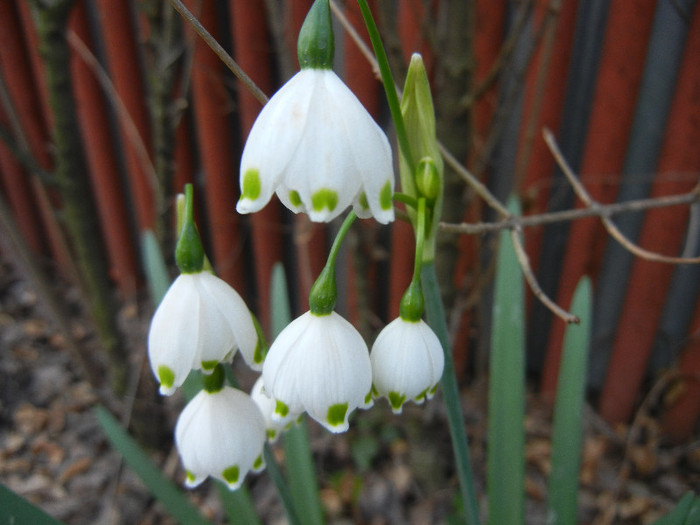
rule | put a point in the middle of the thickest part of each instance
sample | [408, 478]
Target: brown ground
[387, 469]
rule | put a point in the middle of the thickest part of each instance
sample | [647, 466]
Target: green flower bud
[428, 179]
[412, 303]
[189, 253]
[315, 47]
[324, 292]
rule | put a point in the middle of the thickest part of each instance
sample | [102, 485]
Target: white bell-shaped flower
[200, 322]
[220, 434]
[315, 145]
[407, 362]
[266, 404]
[318, 364]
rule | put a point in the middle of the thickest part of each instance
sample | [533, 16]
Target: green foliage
[506, 412]
[568, 411]
[686, 512]
[15, 510]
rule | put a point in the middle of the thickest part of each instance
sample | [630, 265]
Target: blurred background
[108, 107]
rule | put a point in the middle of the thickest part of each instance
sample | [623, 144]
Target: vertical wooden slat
[211, 103]
[619, 75]
[252, 52]
[101, 157]
[121, 41]
[657, 89]
[663, 231]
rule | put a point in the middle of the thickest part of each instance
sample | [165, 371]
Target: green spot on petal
[374, 391]
[251, 184]
[396, 400]
[258, 463]
[281, 408]
[271, 433]
[208, 366]
[231, 474]
[385, 196]
[368, 397]
[294, 198]
[420, 397]
[434, 389]
[166, 376]
[336, 414]
[363, 201]
[324, 198]
[190, 477]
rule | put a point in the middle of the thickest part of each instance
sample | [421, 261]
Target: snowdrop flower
[266, 404]
[314, 144]
[200, 322]
[220, 434]
[318, 364]
[407, 363]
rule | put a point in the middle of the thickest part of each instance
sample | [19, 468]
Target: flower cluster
[317, 148]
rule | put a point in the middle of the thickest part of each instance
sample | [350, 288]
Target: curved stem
[340, 236]
[436, 319]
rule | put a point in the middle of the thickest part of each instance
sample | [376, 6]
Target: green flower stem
[389, 86]
[324, 292]
[420, 239]
[436, 319]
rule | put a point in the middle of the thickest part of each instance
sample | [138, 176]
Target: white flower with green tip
[220, 434]
[318, 364]
[200, 322]
[407, 363]
[315, 145]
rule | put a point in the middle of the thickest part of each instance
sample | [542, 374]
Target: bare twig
[228, 61]
[610, 226]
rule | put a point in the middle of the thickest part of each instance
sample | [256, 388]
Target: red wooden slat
[252, 52]
[101, 159]
[121, 42]
[663, 231]
[15, 60]
[619, 75]
[212, 103]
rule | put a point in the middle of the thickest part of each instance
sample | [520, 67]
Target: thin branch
[524, 261]
[228, 61]
[610, 226]
[607, 210]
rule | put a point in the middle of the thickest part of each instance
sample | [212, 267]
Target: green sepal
[316, 47]
[412, 303]
[189, 253]
[428, 178]
[324, 292]
[214, 382]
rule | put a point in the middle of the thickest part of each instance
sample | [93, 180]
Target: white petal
[233, 321]
[407, 359]
[317, 364]
[173, 334]
[275, 137]
[218, 433]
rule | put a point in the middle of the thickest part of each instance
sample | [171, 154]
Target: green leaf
[155, 268]
[15, 510]
[562, 502]
[162, 489]
[686, 512]
[506, 444]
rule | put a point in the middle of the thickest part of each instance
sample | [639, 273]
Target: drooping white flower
[266, 404]
[200, 322]
[318, 364]
[407, 362]
[315, 145]
[220, 434]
